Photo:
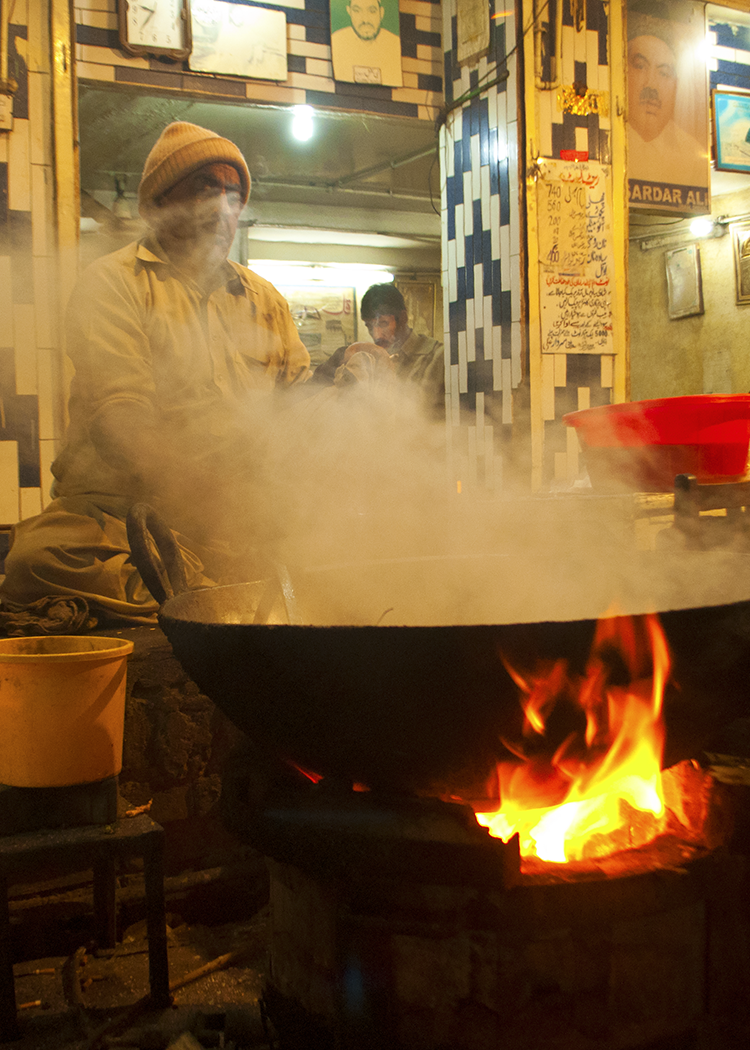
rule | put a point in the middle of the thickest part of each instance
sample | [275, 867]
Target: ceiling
[325, 184]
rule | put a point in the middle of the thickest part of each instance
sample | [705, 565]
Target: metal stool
[97, 847]
[691, 498]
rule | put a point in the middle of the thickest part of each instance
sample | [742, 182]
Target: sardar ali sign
[668, 153]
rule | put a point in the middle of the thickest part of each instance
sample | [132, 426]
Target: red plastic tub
[639, 446]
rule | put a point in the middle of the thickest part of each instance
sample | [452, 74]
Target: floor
[92, 999]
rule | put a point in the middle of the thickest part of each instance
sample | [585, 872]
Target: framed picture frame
[421, 304]
[684, 282]
[741, 247]
[731, 113]
[238, 39]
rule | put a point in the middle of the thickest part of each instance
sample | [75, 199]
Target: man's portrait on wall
[667, 104]
[365, 41]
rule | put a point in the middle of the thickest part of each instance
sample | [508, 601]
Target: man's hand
[382, 357]
[364, 363]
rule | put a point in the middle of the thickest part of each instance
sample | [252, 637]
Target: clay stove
[401, 922]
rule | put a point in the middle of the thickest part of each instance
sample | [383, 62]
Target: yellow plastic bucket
[62, 709]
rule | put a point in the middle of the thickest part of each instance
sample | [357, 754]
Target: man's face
[366, 16]
[204, 207]
[652, 85]
[386, 330]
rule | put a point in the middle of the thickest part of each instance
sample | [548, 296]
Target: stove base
[588, 963]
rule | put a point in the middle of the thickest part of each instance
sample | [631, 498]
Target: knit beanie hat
[181, 149]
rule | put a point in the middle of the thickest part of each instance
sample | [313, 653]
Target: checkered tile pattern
[27, 341]
[481, 250]
[729, 64]
[483, 270]
[583, 61]
[310, 73]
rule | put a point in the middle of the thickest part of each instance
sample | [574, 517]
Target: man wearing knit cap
[177, 350]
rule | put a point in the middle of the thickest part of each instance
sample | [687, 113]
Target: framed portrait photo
[741, 245]
[731, 112]
[366, 41]
[684, 282]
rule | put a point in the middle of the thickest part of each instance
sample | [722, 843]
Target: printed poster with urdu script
[576, 264]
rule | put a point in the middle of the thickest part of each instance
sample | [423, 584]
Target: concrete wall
[707, 353]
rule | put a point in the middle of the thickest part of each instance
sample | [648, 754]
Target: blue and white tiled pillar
[481, 251]
[550, 86]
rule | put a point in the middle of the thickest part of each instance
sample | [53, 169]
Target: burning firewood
[137, 810]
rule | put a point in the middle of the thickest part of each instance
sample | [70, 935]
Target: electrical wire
[482, 84]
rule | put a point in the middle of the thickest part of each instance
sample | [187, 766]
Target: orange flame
[601, 789]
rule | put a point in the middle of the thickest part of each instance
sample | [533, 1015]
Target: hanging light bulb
[703, 226]
[302, 122]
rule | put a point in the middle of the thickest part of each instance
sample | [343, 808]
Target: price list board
[576, 269]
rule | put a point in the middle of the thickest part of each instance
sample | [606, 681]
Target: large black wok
[391, 673]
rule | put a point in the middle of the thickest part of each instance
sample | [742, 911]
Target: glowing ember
[601, 789]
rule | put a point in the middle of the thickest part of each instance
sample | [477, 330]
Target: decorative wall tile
[6, 302]
[42, 228]
[38, 44]
[19, 422]
[9, 503]
[305, 48]
[20, 244]
[40, 119]
[731, 53]
[20, 11]
[272, 93]
[30, 502]
[99, 19]
[24, 344]
[49, 393]
[18, 70]
[108, 56]
[95, 5]
[91, 71]
[45, 300]
[47, 454]
[314, 83]
[19, 167]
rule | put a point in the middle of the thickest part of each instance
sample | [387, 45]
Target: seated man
[417, 360]
[173, 346]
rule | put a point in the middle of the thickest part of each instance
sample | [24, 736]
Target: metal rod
[399, 162]
[334, 188]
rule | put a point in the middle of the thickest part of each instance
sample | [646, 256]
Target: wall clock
[156, 27]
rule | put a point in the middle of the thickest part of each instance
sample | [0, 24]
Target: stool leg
[8, 1016]
[156, 921]
[105, 903]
